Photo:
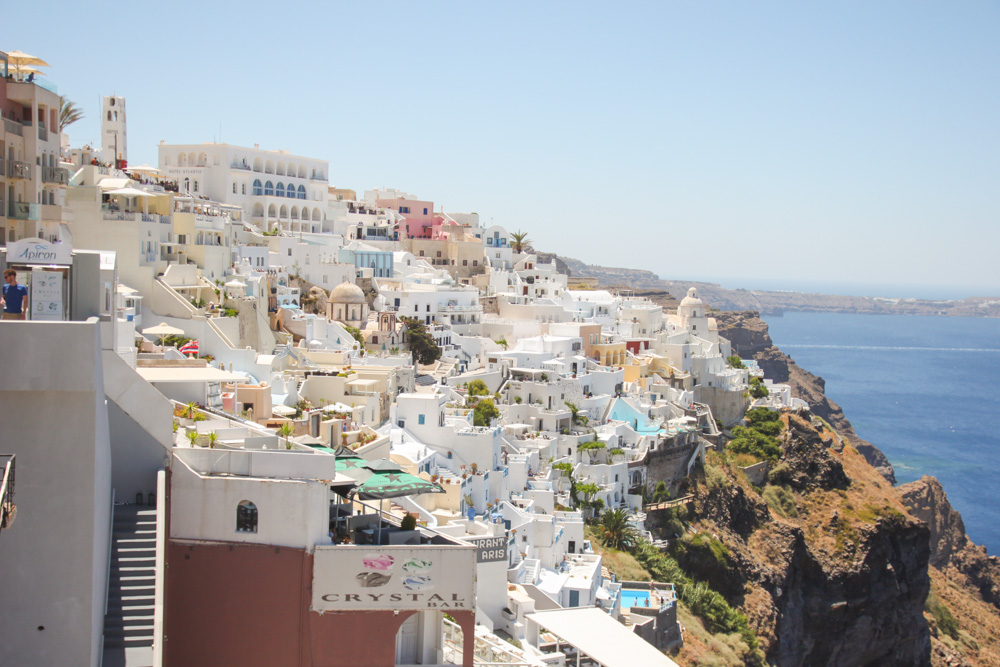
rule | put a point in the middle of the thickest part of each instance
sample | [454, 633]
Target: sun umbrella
[387, 480]
[191, 347]
[132, 192]
[162, 329]
[18, 58]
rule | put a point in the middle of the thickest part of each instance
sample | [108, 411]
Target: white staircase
[128, 624]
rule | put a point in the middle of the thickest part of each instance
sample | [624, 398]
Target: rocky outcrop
[951, 549]
[750, 339]
[841, 581]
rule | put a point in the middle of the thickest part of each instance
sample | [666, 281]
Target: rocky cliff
[749, 336]
[827, 564]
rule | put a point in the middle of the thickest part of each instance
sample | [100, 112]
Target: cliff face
[837, 575]
[951, 549]
[749, 336]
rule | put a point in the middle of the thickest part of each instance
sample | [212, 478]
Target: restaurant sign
[388, 577]
[489, 549]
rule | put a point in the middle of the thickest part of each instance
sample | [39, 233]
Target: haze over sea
[922, 389]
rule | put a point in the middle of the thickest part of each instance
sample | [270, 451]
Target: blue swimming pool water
[633, 598]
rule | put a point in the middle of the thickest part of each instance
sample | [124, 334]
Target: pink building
[420, 218]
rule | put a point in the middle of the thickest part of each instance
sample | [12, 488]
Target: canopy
[600, 637]
[131, 192]
[163, 329]
[114, 183]
[382, 485]
[144, 169]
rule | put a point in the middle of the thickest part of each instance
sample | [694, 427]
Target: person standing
[15, 297]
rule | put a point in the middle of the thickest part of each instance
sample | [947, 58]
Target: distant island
[769, 302]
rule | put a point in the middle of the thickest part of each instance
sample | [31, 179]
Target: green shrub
[592, 444]
[750, 441]
[944, 620]
[757, 388]
[735, 361]
[781, 500]
[409, 522]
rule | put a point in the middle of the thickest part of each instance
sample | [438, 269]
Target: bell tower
[113, 131]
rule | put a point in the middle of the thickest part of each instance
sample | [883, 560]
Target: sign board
[46, 302]
[349, 577]
[489, 549]
[38, 251]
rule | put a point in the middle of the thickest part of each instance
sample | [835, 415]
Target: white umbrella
[162, 329]
[19, 58]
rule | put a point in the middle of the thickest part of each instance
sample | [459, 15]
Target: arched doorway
[406, 641]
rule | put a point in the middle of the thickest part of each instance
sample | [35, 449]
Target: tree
[615, 530]
[422, 344]
[519, 242]
[478, 388]
[484, 412]
[735, 361]
[757, 388]
[749, 441]
[213, 438]
[69, 113]
[588, 490]
[285, 431]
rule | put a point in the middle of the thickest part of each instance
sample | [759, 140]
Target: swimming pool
[634, 598]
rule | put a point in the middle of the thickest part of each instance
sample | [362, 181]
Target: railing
[317, 177]
[13, 127]
[244, 167]
[22, 211]
[55, 175]
[7, 508]
[43, 133]
[17, 169]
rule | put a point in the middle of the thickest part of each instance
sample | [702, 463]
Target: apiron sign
[388, 577]
[38, 251]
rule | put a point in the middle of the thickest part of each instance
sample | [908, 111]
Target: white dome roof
[347, 293]
[692, 298]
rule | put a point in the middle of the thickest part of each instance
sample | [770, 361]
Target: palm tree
[615, 530]
[519, 242]
[213, 437]
[285, 431]
[192, 437]
[69, 113]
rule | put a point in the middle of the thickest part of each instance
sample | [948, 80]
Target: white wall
[56, 553]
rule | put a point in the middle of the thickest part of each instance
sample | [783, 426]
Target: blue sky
[763, 144]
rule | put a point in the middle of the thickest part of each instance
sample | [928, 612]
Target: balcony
[134, 216]
[17, 169]
[13, 127]
[236, 165]
[18, 210]
[317, 177]
[55, 175]
[7, 507]
[43, 133]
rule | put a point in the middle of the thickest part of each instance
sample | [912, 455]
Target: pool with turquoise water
[634, 598]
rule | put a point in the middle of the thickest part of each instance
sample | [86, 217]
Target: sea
[925, 390]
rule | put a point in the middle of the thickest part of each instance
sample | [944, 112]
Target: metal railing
[13, 127]
[55, 175]
[22, 210]
[17, 169]
[7, 508]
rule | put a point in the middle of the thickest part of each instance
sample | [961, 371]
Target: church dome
[347, 293]
[692, 298]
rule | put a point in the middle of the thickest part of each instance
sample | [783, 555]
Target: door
[406, 641]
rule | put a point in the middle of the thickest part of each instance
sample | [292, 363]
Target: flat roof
[601, 637]
[154, 374]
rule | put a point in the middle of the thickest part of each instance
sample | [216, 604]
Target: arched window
[258, 210]
[290, 192]
[295, 213]
[109, 115]
[279, 191]
[269, 188]
[302, 192]
[316, 214]
[271, 212]
[257, 190]
[283, 213]
[246, 517]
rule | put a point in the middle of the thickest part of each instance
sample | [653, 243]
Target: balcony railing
[237, 165]
[318, 177]
[17, 169]
[55, 175]
[13, 127]
[7, 507]
[43, 133]
[22, 211]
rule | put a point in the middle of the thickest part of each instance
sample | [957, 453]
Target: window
[420, 419]
[196, 186]
[438, 253]
[404, 209]
[269, 188]
[421, 253]
[475, 262]
[428, 309]
[289, 252]
[302, 192]
[257, 190]
[425, 211]
[279, 191]
[465, 262]
[244, 188]
[246, 517]
[234, 187]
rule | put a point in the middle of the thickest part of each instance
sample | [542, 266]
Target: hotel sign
[386, 577]
[38, 251]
